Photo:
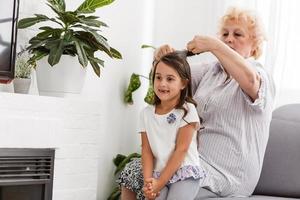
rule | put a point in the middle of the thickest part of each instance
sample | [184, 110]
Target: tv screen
[8, 34]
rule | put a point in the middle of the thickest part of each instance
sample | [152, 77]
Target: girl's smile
[167, 83]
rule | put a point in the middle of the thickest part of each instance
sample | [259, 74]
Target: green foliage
[75, 34]
[120, 161]
[123, 160]
[149, 98]
[22, 67]
[147, 46]
[135, 84]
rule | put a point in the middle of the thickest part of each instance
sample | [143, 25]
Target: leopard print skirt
[132, 178]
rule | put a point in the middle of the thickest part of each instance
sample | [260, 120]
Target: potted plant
[73, 33]
[23, 70]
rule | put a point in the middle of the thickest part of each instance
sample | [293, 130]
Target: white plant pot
[22, 85]
[63, 79]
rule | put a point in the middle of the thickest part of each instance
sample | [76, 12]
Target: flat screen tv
[8, 39]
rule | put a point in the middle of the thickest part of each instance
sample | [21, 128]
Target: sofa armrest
[280, 174]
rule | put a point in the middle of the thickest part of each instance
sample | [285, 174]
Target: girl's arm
[234, 64]
[147, 157]
[183, 141]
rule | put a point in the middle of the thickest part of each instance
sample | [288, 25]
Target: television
[8, 38]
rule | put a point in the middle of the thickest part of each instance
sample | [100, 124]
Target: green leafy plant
[120, 161]
[76, 34]
[135, 84]
[22, 67]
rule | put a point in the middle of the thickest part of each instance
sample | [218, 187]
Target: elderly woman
[235, 98]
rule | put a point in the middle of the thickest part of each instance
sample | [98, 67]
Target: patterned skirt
[132, 178]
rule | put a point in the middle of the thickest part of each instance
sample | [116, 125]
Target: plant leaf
[100, 40]
[118, 159]
[59, 5]
[134, 84]
[68, 18]
[96, 67]
[116, 54]
[92, 22]
[89, 6]
[101, 62]
[82, 57]
[38, 54]
[56, 32]
[126, 160]
[55, 52]
[147, 46]
[149, 98]
[88, 17]
[39, 42]
[30, 21]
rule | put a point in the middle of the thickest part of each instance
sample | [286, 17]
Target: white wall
[72, 127]
[130, 26]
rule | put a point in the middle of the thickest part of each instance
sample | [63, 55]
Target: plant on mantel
[22, 67]
[23, 71]
[76, 33]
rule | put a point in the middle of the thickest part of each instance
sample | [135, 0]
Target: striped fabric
[234, 140]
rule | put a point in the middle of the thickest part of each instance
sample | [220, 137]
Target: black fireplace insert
[26, 174]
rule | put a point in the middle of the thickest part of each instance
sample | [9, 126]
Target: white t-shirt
[162, 131]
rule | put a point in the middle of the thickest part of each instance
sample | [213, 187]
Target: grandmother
[235, 98]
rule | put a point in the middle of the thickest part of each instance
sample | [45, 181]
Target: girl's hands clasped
[151, 188]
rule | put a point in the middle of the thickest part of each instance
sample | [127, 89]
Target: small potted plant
[23, 71]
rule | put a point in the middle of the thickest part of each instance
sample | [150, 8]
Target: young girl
[168, 131]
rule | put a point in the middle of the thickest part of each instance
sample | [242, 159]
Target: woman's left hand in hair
[200, 44]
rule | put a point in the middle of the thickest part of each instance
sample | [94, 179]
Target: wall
[72, 127]
[130, 26]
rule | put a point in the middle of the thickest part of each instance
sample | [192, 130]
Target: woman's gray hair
[253, 23]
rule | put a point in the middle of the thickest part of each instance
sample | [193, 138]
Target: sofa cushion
[254, 197]
[281, 168]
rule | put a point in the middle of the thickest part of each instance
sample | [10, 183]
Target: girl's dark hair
[177, 60]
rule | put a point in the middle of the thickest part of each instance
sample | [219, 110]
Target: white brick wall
[70, 126]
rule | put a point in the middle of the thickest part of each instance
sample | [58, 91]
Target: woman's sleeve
[266, 91]
[198, 71]
[191, 117]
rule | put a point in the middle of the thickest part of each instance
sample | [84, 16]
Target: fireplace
[26, 174]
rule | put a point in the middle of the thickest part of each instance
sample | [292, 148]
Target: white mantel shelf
[71, 126]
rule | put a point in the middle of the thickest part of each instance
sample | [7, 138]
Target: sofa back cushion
[280, 174]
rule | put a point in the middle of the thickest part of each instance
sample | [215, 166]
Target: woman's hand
[202, 44]
[162, 50]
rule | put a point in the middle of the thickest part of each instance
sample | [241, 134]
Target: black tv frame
[8, 75]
